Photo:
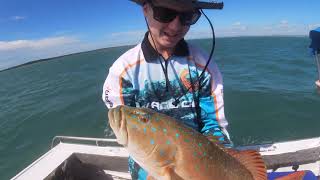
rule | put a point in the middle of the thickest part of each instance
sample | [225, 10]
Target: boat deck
[113, 159]
[107, 155]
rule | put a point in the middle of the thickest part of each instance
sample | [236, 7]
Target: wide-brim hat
[187, 4]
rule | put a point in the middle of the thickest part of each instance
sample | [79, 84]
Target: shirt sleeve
[118, 88]
[212, 105]
[211, 99]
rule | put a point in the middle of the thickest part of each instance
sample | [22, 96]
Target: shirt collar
[150, 54]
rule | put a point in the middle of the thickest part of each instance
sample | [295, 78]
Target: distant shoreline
[48, 59]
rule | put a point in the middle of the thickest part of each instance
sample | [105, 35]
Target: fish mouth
[118, 124]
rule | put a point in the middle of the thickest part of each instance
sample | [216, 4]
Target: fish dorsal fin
[253, 161]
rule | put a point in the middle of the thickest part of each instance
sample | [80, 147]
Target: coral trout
[167, 149]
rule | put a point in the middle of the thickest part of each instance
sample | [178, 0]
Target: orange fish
[167, 149]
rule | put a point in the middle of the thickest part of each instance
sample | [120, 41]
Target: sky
[38, 29]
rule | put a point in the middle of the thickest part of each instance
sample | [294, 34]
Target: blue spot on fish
[152, 142]
[134, 126]
[174, 153]
[140, 113]
[145, 130]
[168, 142]
[162, 152]
[177, 135]
[194, 154]
[168, 161]
[197, 167]
[165, 130]
[153, 129]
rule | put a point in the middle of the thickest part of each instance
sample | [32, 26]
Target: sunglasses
[166, 15]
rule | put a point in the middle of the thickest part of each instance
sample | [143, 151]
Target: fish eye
[143, 119]
[142, 116]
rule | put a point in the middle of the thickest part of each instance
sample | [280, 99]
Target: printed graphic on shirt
[175, 99]
[191, 83]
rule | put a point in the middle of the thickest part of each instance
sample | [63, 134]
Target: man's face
[165, 35]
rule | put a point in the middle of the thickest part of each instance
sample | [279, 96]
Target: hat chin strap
[155, 46]
[212, 48]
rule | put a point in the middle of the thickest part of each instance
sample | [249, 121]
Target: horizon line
[109, 47]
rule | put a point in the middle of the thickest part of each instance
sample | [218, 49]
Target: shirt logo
[106, 97]
[166, 105]
[190, 82]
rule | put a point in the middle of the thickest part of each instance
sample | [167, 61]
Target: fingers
[117, 116]
[111, 117]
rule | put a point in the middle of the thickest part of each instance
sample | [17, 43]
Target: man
[168, 75]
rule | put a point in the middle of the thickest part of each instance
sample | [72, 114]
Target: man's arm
[117, 88]
[212, 106]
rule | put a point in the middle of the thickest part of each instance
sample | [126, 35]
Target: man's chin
[169, 44]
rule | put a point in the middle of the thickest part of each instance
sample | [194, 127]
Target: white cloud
[21, 51]
[36, 44]
[313, 26]
[236, 24]
[18, 18]
[267, 28]
[282, 28]
[128, 33]
[124, 38]
[198, 33]
[12, 18]
[17, 52]
[284, 24]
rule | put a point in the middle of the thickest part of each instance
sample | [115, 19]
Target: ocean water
[268, 87]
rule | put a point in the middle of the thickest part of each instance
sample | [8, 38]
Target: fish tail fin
[253, 161]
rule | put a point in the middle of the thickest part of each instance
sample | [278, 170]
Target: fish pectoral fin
[253, 161]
